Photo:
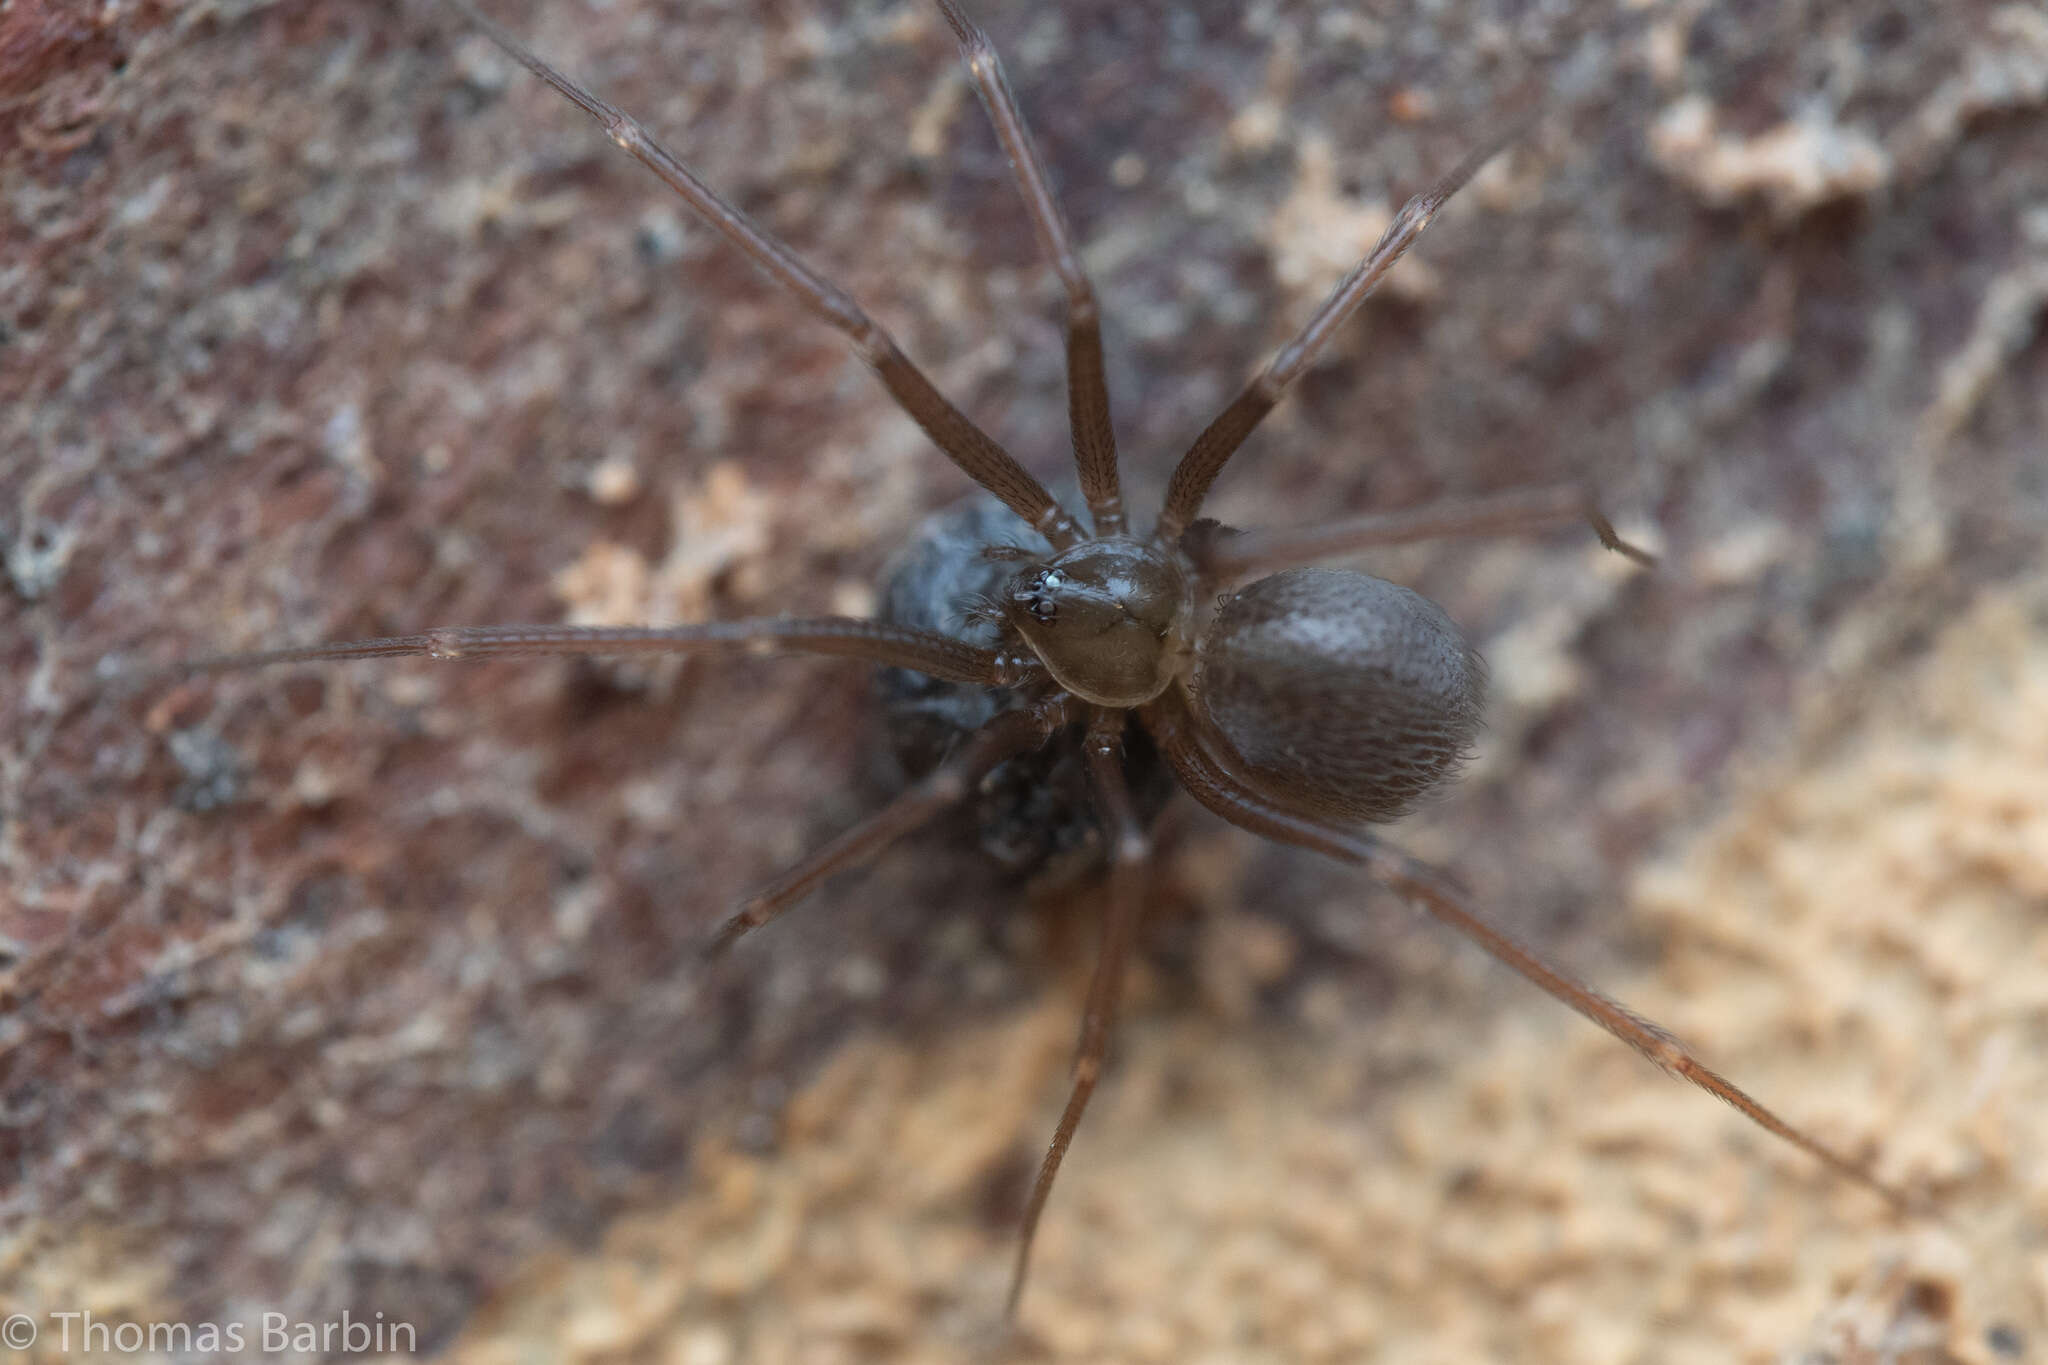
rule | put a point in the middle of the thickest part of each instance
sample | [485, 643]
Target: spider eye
[1035, 595]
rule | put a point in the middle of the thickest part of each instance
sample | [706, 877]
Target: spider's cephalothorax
[1312, 703]
[1107, 618]
[1032, 812]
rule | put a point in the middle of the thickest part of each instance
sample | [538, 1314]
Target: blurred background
[374, 988]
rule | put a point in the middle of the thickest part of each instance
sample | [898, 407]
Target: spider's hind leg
[1009, 734]
[1206, 774]
[1129, 849]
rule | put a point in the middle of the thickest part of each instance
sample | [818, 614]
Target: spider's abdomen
[1344, 697]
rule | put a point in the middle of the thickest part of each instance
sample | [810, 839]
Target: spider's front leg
[922, 651]
[1087, 389]
[977, 454]
[1218, 441]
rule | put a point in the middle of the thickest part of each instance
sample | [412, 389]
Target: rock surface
[375, 988]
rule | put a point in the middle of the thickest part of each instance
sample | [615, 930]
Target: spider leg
[1222, 553]
[1205, 459]
[1010, 734]
[977, 453]
[1087, 390]
[1129, 847]
[1195, 760]
[923, 651]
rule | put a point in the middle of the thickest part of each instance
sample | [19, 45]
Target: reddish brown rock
[366, 988]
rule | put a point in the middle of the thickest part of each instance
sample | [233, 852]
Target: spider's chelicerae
[1303, 706]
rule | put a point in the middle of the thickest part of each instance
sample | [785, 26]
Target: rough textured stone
[375, 987]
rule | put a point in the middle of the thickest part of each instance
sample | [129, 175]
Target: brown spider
[1307, 705]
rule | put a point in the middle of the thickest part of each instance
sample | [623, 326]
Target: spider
[1304, 706]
